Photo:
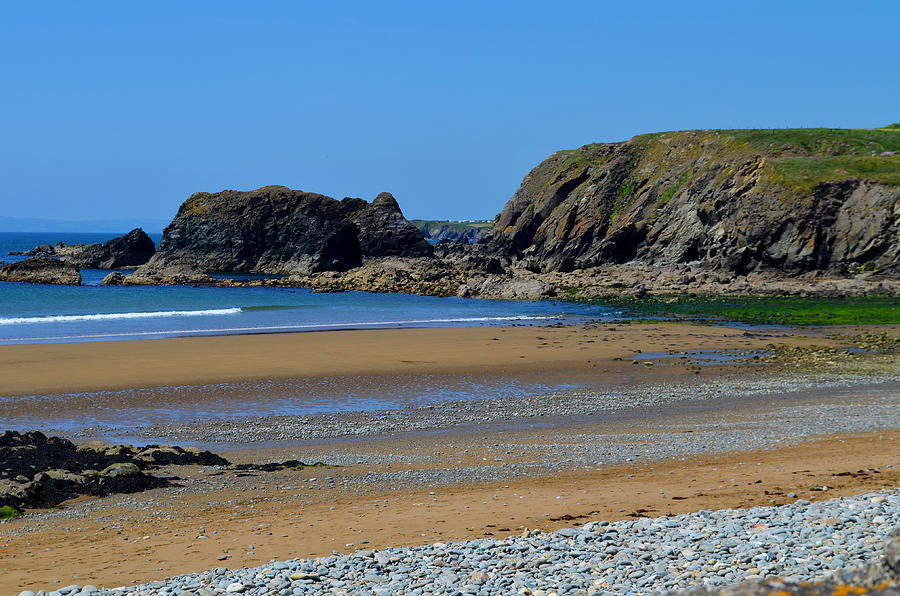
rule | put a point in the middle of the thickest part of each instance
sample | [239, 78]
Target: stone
[113, 279]
[120, 469]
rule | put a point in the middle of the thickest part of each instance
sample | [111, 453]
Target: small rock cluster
[41, 471]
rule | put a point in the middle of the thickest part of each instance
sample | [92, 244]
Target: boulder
[41, 270]
[113, 279]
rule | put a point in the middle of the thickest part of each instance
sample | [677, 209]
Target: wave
[286, 328]
[118, 316]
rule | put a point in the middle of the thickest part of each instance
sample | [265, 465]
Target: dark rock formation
[41, 270]
[738, 201]
[41, 471]
[277, 230]
[131, 250]
[43, 250]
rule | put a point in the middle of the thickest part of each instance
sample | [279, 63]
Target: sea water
[47, 314]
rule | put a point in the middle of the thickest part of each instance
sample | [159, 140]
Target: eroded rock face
[699, 197]
[41, 270]
[277, 230]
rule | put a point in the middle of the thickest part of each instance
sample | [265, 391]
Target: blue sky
[123, 109]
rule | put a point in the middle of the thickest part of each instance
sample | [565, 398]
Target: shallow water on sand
[132, 409]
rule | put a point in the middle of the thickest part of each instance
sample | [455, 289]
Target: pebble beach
[798, 542]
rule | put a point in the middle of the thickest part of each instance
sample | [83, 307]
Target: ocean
[91, 312]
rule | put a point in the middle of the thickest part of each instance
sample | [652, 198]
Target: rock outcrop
[41, 471]
[174, 271]
[277, 230]
[41, 270]
[131, 250]
[738, 201]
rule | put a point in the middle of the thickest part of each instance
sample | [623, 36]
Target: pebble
[642, 556]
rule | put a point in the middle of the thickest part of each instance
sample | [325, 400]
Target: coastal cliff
[788, 211]
[277, 230]
[738, 201]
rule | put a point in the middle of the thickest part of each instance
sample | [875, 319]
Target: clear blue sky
[123, 109]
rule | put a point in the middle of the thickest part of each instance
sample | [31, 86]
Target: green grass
[871, 310]
[806, 172]
[623, 200]
[671, 191]
[798, 158]
[827, 141]
[7, 512]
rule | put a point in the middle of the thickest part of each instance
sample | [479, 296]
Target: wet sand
[40, 369]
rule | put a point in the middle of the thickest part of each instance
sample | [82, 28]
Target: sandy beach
[681, 437]
[74, 367]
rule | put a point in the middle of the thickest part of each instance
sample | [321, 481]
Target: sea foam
[118, 316]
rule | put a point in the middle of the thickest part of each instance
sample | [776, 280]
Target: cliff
[281, 231]
[790, 201]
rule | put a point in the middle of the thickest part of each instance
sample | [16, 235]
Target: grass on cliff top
[806, 172]
[790, 310]
[779, 141]
[799, 158]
